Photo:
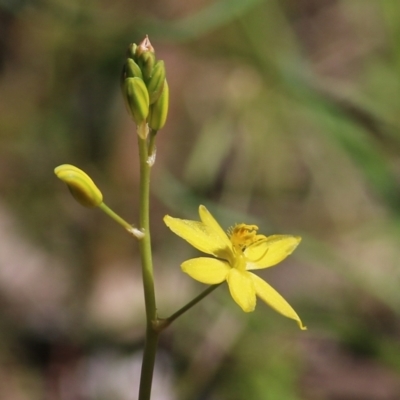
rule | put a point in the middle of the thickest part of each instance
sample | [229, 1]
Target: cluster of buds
[144, 88]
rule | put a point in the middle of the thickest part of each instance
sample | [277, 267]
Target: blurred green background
[283, 113]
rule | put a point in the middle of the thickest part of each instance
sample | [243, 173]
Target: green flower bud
[136, 99]
[146, 63]
[81, 186]
[131, 69]
[156, 82]
[131, 51]
[159, 110]
[145, 57]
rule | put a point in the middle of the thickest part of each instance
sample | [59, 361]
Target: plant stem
[115, 216]
[164, 323]
[149, 358]
[148, 278]
[154, 326]
[144, 225]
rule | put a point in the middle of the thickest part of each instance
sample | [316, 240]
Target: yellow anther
[243, 235]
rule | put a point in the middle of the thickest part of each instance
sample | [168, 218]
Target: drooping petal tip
[301, 326]
[270, 296]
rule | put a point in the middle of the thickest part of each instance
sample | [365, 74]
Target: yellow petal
[271, 251]
[274, 299]
[242, 289]
[199, 235]
[206, 270]
[210, 221]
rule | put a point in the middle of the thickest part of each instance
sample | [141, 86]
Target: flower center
[243, 236]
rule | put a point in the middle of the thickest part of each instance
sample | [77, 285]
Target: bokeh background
[284, 113]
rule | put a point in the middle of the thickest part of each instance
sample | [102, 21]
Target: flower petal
[242, 289]
[206, 270]
[198, 234]
[274, 299]
[271, 251]
[210, 221]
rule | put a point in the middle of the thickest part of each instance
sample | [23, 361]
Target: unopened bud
[136, 99]
[131, 51]
[146, 63]
[156, 82]
[131, 69]
[81, 186]
[159, 110]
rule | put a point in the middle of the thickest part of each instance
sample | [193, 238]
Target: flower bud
[136, 99]
[131, 69]
[159, 110]
[156, 82]
[81, 186]
[131, 51]
[146, 63]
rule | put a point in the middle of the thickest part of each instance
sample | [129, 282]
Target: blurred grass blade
[209, 18]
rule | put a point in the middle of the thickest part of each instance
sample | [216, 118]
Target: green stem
[115, 217]
[144, 225]
[149, 358]
[147, 272]
[164, 323]
[154, 325]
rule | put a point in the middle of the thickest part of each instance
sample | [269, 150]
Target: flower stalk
[147, 275]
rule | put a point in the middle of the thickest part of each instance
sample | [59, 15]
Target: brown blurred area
[282, 113]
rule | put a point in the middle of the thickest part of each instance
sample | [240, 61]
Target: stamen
[243, 235]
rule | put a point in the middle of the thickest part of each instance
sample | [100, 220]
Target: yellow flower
[237, 253]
